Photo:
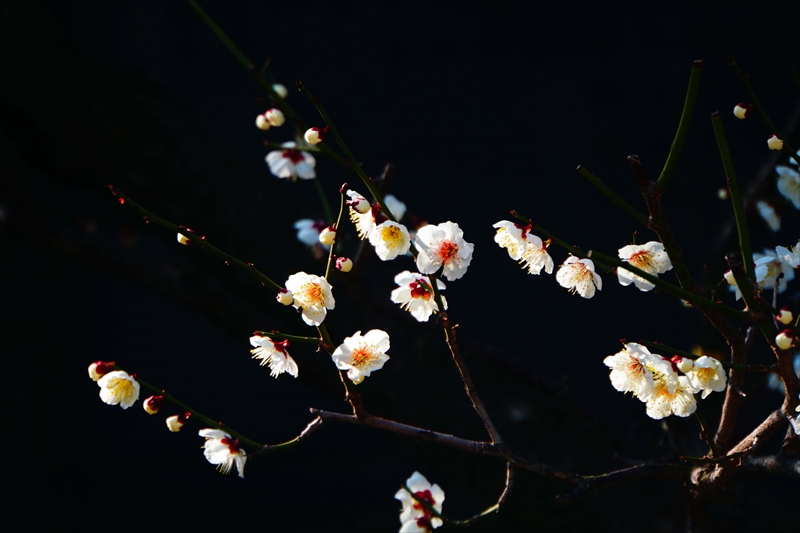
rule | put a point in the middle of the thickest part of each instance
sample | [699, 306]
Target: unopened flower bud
[280, 89]
[685, 364]
[262, 123]
[99, 369]
[723, 193]
[785, 316]
[327, 236]
[775, 143]
[153, 404]
[314, 135]
[285, 297]
[742, 110]
[275, 117]
[784, 339]
[345, 264]
[359, 204]
[176, 422]
[183, 239]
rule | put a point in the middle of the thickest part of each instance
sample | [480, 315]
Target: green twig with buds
[336, 229]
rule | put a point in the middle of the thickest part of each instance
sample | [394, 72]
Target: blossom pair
[771, 266]
[416, 517]
[524, 247]
[116, 386]
[655, 380]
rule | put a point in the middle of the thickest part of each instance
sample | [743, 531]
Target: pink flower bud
[327, 236]
[285, 297]
[785, 339]
[152, 404]
[275, 117]
[99, 369]
[345, 264]
[262, 123]
[775, 143]
[315, 135]
[176, 422]
[785, 316]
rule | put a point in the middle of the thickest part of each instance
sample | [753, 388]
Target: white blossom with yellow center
[118, 387]
[415, 294]
[650, 257]
[707, 375]
[313, 295]
[360, 354]
[443, 246]
[390, 239]
[679, 401]
[511, 237]
[578, 276]
[629, 372]
[535, 258]
[361, 214]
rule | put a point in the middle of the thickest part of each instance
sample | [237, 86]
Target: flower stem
[336, 227]
[670, 288]
[326, 207]
[196, 414]
[736, 196]
[614, 197]
[683, 126]
[199, 241]
[705, 433]
[293, 338]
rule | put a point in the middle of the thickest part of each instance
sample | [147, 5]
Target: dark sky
[480, 110]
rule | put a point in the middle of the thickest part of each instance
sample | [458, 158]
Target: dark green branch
[614, 197]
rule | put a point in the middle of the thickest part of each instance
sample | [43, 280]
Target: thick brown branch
[591, 484]
[733, 394]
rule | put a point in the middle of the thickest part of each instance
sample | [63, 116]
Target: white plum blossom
[629, 372]
[789, 256]
[274, 354]
[664, 401]
[649, 257]
[415, 517]
[707, 375]
[789, 184]
[360, 354]
[535, 258]
[769, 214]
[308, 230]
[222, 450]
[183, 239]
[397, 208]
[118, 387]
[415, 295]
[511, 236]
[313, 295]
[768, 266]
[443, 246]
[291, 163]
[390, 239]
[361, 214]
[578, 275]
[280, 89]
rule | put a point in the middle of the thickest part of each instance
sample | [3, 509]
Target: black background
[481, 110]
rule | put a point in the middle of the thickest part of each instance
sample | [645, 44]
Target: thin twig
[614, 197]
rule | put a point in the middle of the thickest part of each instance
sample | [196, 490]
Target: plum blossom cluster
[414, 516]
[771, 266]
[655, 380]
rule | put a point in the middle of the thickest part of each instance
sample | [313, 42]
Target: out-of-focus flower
[390, 239]
[680, 402]
[222, 450]
[397, 208]
[262, 123]
[775, 382]
[313, 295]
[785, 316]
[360, 354]
[308, 230]
[274, 354]
[512, 237]
[635, 369]
[769, 214]
[415, 295]
[344, 264]
[742, 110]
[98, 369]
[176, 422]
[275, 117]
[783, 340]
[789, 256]
[707, 375]
[789, 184]
[443, 246]
[280, 89]
[650, 257]
[414, 516]
[723, 194]
[291, 163]
[327, 236]
[118, 387]
[361, 214]
[152, 404]
[315, 135]
[578, 275]
[184, 240]
[285, 297]
[535, 258]
[768, 266]
[775, 143]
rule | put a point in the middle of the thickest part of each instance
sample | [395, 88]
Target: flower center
[120, 388]
[642, 260]
[705, 374]
[391, 236]
[447, 250]
[295, 156]
[635, 367]
[311, 295]
[507, 241]
[232, 444]
[420, 289]
[427, 497]
[362, 356]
